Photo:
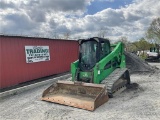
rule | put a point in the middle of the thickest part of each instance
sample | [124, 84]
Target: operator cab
[92, 51]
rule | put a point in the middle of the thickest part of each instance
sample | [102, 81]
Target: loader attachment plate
[87, 96]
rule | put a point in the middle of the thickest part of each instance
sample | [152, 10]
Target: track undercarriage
[117, 80]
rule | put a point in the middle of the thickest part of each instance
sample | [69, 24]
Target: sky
[78, 18]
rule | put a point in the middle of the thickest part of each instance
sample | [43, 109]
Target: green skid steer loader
[99, 72]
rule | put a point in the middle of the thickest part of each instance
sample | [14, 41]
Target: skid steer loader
[99, 72]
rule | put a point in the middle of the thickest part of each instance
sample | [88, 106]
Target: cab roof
[97, 39]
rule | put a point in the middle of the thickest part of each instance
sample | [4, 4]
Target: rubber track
[112, 78]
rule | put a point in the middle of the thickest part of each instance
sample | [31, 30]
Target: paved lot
[138, 104]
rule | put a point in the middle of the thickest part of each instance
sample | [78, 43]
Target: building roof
[33, 37]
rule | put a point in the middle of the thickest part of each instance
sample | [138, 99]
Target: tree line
[151, 38]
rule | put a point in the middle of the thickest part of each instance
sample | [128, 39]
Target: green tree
[132, 48]
[153, 32]
[142, 45]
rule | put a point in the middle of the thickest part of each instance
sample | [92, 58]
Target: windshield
[88, 55]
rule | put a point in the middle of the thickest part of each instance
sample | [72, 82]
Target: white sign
[37, 53]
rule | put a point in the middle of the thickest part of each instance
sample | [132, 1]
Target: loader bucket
[87, 96]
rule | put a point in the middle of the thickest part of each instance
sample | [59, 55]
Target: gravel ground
[135, 104]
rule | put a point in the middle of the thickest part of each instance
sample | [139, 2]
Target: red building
[14, 67]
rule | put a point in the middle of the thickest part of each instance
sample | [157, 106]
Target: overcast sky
[79, 18]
